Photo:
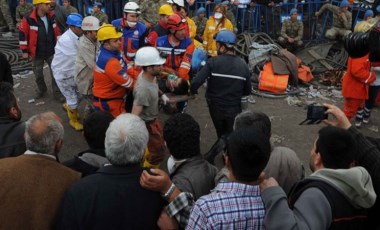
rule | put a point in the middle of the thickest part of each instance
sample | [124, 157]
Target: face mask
[218, 15]
[131, 24]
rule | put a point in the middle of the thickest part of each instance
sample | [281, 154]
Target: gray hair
[42, 131]
[126, 140]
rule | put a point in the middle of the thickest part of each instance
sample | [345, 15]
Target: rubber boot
[73, 116]
[66, 108]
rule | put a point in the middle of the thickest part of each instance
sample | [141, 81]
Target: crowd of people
[140, 174]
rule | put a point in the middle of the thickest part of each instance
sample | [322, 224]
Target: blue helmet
[368, 13]
[74, 19]
[201, 10]
[227, 37]
[292, 11]
[344, 3]
[98, 4]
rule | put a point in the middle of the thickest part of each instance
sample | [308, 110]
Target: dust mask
[218, 15]
[131, 24]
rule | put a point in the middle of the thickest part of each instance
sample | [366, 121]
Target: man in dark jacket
[186, 166]
[5, 69]
[228, 81]
[12, 142]
[112, 198]
[94, 130]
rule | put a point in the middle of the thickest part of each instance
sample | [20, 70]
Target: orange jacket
[110, 77]
[357, 78]
[179, 57]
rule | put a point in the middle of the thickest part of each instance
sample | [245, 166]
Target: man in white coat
[63, 67]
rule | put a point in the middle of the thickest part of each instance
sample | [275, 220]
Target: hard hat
[108, 31]
[74, 19]
[132, 7]
[170, 1]
[36, 2]
[166, 10]
[175, 22]
[147, 56]
[179, 2]
[90, 23]
[227, 37]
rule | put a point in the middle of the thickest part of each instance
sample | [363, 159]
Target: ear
[318, 161]
[58, 146]
[227, 162]
[13, 112]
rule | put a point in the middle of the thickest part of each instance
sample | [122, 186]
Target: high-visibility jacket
[192, 28]
[357, 78]
[211, 29]
[132, 39]
[110, 77]
[28, 35]
[179, 57]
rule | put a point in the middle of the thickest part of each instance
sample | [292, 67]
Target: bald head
[43, 132]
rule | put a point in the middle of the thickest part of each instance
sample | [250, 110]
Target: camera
[315, 114]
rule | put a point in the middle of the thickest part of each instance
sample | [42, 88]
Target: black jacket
[228, 80]
[12, 141]
[112, 198]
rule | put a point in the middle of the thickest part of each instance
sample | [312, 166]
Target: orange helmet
[175, 22]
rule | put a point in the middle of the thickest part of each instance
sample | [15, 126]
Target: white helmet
[169, 1]
[132, 7]
[179, 2]
[90, 23]
[147, 56]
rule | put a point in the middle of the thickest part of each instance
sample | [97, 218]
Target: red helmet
[175, 22]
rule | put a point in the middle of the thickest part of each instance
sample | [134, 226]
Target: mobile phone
[316, 112]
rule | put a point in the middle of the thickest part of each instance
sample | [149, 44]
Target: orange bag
[304, 73]
[271, 82]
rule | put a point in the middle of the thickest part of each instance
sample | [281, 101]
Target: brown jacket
[31, 190]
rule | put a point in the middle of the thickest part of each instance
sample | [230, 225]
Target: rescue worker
[215, 24]
[190, 23]
[161, 28]
[291, 31]
[145, 104]
[37, 42]
[177, 46]
[5, 16]
[200, 22]
[69, 7]
[110, 73]
[228, 80]
[61, 14]
[99, 14]
[176, 6]
[179, 50]
[134, 37]
[149, 9]
[63, 67]
[342, 19]
[24, 8]
[85, 61]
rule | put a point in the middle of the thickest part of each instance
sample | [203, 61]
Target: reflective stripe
[98, 69]
[210, 51]
[23, 43]
[228, 76]
[131, 54]
[170, 49]
[185, 65]
[211, 27]
[34, 28]
[128, 83]
[370, 74]
[205, 42]
[54, 25]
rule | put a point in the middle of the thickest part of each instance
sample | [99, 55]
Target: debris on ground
[374, 128]
[31, 101]
[16, 85]
[40, 103]
[277, 139]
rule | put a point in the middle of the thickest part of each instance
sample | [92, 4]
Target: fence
[258, 18]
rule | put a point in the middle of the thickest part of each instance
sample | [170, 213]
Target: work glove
[164, 99]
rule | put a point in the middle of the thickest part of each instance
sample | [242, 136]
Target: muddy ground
[285, 119]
